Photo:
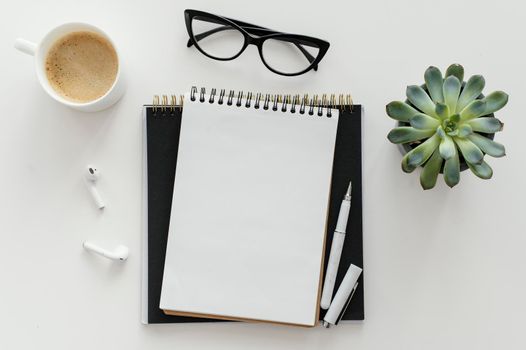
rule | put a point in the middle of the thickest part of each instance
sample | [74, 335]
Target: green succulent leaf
[495, 101]
[474, 110]
[424, 122]
[421, 153]
[452, 170]
[405, 134]
[471, 91]
[442, 111]
[428, 176]
[434, 82]
[464, 130]
[455, 70]
[441, 132]
[488, 146]
[447, 147]
[406, 167]
[486, 124]
[400, 111]
[472, 154]
[482, 170]
[451, 91]
[421, 100]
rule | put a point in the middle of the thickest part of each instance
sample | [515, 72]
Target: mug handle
[25, 46]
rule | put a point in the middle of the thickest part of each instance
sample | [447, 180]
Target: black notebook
[161, 132]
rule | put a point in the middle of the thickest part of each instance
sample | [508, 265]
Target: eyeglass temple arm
[253, 30]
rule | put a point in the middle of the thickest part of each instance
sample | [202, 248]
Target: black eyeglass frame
[255, 35]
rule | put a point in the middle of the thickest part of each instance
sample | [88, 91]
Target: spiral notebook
[250, 205]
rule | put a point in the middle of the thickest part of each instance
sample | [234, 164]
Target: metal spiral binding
[313, 106]
[160, 103]
[286, 101]
[304, 101]
[313, 103]
[276, 99]
[295, 101]
[212, 96]
[249, 100]
[267, 99]
[230, 97]
[258, 99]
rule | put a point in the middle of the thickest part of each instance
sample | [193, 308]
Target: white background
[445, 268]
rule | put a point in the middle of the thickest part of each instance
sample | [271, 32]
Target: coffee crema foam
[82, 66]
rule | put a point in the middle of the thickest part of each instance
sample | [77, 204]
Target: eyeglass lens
[222, 41]
[288, 57]
[217, 39]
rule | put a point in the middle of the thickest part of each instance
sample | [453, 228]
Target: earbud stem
[121, 253]
[96, 196]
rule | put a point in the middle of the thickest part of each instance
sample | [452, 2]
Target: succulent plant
[447, 122]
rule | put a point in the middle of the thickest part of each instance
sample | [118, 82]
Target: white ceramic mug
[40, 52]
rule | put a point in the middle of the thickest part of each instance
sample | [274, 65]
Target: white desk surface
[445, 269]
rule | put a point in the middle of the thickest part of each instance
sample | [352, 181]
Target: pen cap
[340, 316]
[343, 295]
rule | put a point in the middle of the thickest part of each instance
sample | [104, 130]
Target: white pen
[336, 250]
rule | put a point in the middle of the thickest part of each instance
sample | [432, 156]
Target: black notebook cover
[162, 129]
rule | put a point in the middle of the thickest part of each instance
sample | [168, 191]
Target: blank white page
[249, 212]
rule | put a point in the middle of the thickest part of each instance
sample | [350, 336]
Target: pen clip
[347, 304]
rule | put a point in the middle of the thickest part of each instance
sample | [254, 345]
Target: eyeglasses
[225, 39]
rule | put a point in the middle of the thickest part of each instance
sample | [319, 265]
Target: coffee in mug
[78, 65]
[81, 66]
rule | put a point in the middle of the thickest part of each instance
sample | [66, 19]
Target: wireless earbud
[120, 253]
[92, 175]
